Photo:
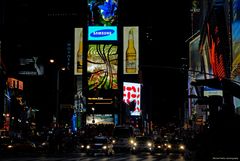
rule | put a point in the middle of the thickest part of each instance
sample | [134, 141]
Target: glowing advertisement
[195, 63]
[102, 12]
[206, 60]
[102, 33]
[102, 66]
[130, 50]
[235, 72]
[212, 92]
[31, 66]
[15, 83]
[99, 119]
[78, 51]
[132, 92]
[218, 43]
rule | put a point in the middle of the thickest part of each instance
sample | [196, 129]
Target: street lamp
[58, 70]
[93, 119]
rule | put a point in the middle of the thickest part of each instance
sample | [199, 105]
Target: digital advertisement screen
[102, 66]
[132, 92]
[207, 68]
[195, 64]
[212, 92]
[78, 51]
[30, 66]
[102, 33]
[99, 119]
[236, 102]
[15, 83]
[102, 12]
[218, 43]
[235, 74]
[130, 50]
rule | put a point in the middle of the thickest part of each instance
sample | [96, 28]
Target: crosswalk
[82, 157]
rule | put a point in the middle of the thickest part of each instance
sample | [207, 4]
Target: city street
[83, 157]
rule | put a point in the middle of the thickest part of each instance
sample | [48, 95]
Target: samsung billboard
[102, 33]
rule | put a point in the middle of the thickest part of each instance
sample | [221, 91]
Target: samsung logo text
[102, 33]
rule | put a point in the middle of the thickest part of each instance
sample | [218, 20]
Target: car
[22, 145]
[100, 145]
[176, 145]
[142, 144]
[123, 138]
[42, 146]
[159, 146]
[82, 143]
[6, 145]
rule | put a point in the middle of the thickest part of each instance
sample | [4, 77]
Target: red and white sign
[132, 92]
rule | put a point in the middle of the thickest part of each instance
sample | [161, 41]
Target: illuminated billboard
[132, 93]
[207, 91]
[15, 83]
[78, 51]
[195, 63]
[102, 66]
[99, 119]
[130, 50]
[102, 33]
[235, 72]
[102, 12]
[30, 66]
[207, 67]
[218, 40]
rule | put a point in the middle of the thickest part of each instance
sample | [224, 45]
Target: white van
[122, 138]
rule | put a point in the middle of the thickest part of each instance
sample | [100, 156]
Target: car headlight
[149, 144]
[88, 147]
[181, 147]
[104, 147]
[44, 144]
[131, 141]
[169, 146]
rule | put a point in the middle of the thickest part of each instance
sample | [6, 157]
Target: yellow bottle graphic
[80, 54]
[131, 56]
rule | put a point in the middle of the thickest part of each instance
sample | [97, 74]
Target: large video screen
[212, 92]
[207, 67]
[102, 66]
[195, 64]
[103, 12]
[99, 119]
[31, 66]
[219, 46]
[132, 93]
[235, 72]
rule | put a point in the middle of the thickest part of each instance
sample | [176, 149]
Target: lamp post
[93, 119]
[58, 70]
